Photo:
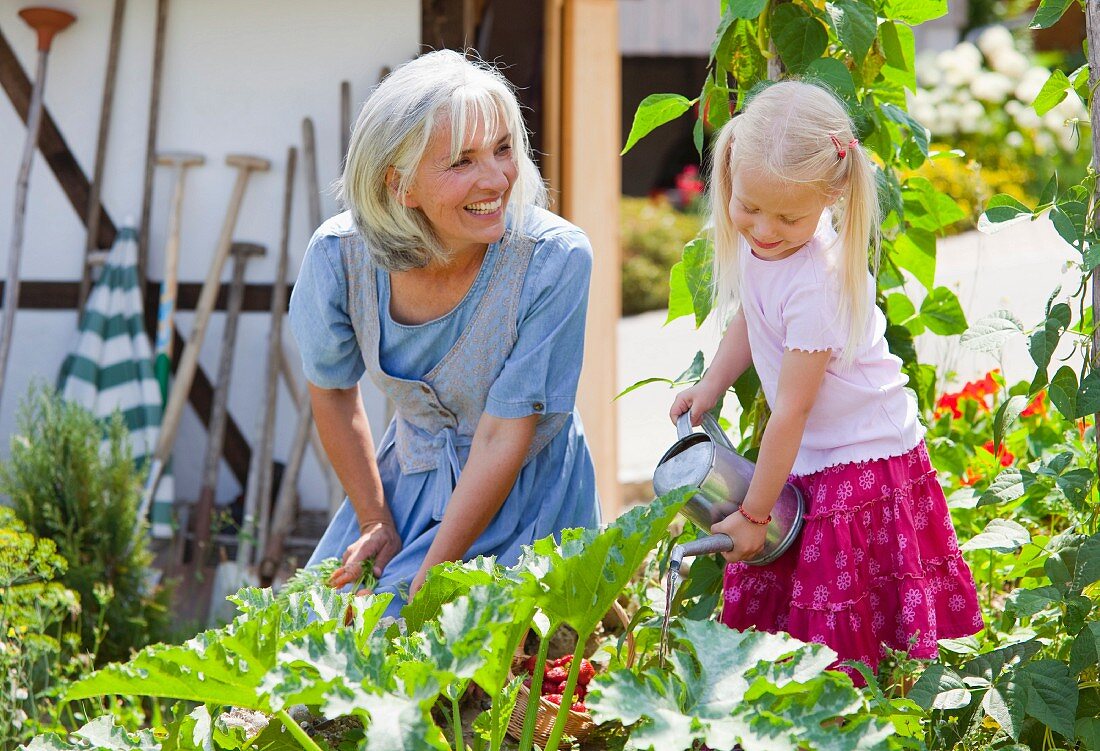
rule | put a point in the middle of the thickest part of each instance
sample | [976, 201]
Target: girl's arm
[499, 447]
[800, 377]
[731, 360]
[342, 424]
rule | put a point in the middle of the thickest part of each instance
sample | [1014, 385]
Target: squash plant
[723, 687]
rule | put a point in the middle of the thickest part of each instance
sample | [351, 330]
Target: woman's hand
[748, 538]
[378, 542]
[700, 398]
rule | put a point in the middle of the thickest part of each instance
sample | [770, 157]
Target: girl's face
[464, 198]
[776, 217]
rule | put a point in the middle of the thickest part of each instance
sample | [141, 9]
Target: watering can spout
[703, 546]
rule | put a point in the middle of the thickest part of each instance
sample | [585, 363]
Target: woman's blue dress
[555, 489]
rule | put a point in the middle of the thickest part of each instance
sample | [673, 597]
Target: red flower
[949, 403]
[689, 183]
[1038, 406]
[1003, 454]
[969, 478]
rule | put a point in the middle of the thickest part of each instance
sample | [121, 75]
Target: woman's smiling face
[776, 217]
[465, 197]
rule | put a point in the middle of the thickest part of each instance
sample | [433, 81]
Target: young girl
[795, 212]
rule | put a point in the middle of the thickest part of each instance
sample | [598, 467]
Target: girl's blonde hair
[393, 130]
[788, 130]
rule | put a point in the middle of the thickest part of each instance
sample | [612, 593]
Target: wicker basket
[577, 724]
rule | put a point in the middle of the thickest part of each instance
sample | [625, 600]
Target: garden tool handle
[710, 427]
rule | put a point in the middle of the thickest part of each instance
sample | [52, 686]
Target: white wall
[238, 78]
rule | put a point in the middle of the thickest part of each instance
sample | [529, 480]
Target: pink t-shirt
[863, 411]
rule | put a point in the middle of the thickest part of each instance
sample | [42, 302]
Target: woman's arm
[496, 455]
[731, 360]
[345, 432]
[800, 377]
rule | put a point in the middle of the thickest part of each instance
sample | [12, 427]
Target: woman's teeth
[485, 208]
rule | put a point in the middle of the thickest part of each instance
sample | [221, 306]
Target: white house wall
[238, 78]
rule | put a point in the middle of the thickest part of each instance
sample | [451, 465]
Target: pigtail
[858, 241]
[725, 240]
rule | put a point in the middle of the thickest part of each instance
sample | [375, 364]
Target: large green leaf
[1028, 602]
[1006, 702]
[915, 251]
[679, 294]
[448, 581]
[834, 74]
[101, 734]
[1063, 391]
[942, 313]
[1006, 416]
[726, 687]
[914, 12]
[1044, 340]
[925, 207]
[1085, 652]
[989, 666]
[590, 568]
[939, 687]
[899, 49]
[989, 334]
[1049, 12]
[1088, 395]
[1087, 730]
[227, 665]
[799, 37]
[1053, 92]
[1087, 568]
[920, 139]
[1002, 535]
[655, 110]
[1051, 694]
[746, 8]
[697, 261]
[1003, 208]
[855, 24]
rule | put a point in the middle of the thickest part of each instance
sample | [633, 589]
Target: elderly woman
[463, 300]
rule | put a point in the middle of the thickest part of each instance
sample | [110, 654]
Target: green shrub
[653, 236]
[72, 480]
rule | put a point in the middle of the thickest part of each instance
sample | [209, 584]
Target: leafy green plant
[33, 609]
[72, 479]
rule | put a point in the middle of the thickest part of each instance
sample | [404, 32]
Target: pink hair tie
[841, 151]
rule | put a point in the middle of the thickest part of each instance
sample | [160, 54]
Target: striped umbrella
[111, 365]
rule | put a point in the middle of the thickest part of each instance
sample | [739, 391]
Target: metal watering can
[708, 462]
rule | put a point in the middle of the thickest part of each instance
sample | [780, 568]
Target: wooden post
[590, 185]
[1092, 34]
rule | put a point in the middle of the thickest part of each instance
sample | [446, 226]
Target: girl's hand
[748, 538]
[699, 399]
[379, 541]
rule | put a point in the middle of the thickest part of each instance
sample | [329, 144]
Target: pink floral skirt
[877, 565]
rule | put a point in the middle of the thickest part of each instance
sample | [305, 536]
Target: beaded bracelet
[752, 519]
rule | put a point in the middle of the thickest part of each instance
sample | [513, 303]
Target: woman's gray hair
[393, 129]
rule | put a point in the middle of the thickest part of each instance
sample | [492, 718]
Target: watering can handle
[710, 427]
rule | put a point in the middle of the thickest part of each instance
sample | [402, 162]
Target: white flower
[991, 87]
[971, 117]
[1010, 62]
[1027, 119]
[927, 69]
[1015, 140]
[995, 39]
[961, 64]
